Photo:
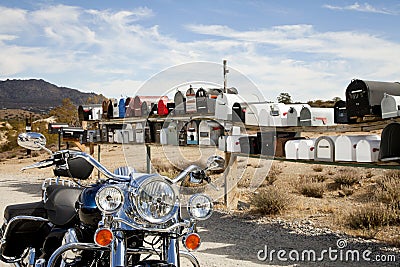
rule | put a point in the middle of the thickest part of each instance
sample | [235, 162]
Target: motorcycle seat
[35, 209]
[60, 204]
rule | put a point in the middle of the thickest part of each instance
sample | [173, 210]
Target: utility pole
[225, 72]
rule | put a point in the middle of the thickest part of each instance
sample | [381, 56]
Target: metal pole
[225, 71]
[98, 159]
[59, 139]
[148, 158]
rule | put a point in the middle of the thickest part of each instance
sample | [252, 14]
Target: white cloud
[113, 52]
[365, 7]
[327, 60]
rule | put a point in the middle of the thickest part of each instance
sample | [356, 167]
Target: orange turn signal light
[192, 241]
[103, 237]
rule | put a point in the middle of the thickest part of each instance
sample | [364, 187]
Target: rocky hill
[37, 94]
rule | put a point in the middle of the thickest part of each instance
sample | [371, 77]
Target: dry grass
[387, 189]
[270, 201]
[383, 208]
[273, 174]
[166, 168]
[372, 216]
[346, 177]
[318, 168]
[309, 186]
[346, 190]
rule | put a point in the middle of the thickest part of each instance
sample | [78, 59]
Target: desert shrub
[273, 173]
[166, 168]
[388, 189]
[313, 190]
[319, 178]
[11, 155]
[270, 200]
[346, 190]
[369, 174]
[318, 168]
[346, 177]
[309, 186]
[372, 217]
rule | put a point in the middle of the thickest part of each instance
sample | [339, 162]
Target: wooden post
[230, 181]
[81, 147]
[91, 149]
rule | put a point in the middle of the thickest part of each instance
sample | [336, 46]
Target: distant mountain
[37, 94]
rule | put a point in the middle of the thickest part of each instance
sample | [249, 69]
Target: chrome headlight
[200, 207]
[156, 200]
[109, 199]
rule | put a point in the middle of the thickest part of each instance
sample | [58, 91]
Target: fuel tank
[89, 214]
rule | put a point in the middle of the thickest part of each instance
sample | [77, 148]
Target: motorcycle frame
[91, 246]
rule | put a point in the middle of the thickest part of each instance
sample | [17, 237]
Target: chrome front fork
[172, 253]
[118, 250]
[118, 256]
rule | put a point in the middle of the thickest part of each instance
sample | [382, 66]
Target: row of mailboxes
[204, 132]
[363, 98]
[268, 143]
[360, 148]
[279, 114]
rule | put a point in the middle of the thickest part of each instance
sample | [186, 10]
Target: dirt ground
[240, 237]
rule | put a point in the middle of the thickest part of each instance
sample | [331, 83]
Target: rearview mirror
[32, 140]
[215, 163]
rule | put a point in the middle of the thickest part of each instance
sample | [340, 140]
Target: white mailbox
[293, 115]
[346, 145]
[253, 113]
[172, 133]
[306, 149]
[224, 104]
[164, 136]
[209, 132]
[233, 143]
[368, 150]
[131, 132]
[291, 149]
[390, 105]
[140, 132]
[121, 136]
[325, 148]
[316, 116]
[278, 114]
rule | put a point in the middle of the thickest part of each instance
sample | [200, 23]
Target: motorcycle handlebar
[101, 168]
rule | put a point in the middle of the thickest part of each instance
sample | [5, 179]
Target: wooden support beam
[231, 194]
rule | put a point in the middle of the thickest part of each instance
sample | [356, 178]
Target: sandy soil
[232, 238]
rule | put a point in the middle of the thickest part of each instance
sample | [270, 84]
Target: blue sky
[310, 49]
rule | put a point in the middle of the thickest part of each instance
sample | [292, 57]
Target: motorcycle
[126, 219]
